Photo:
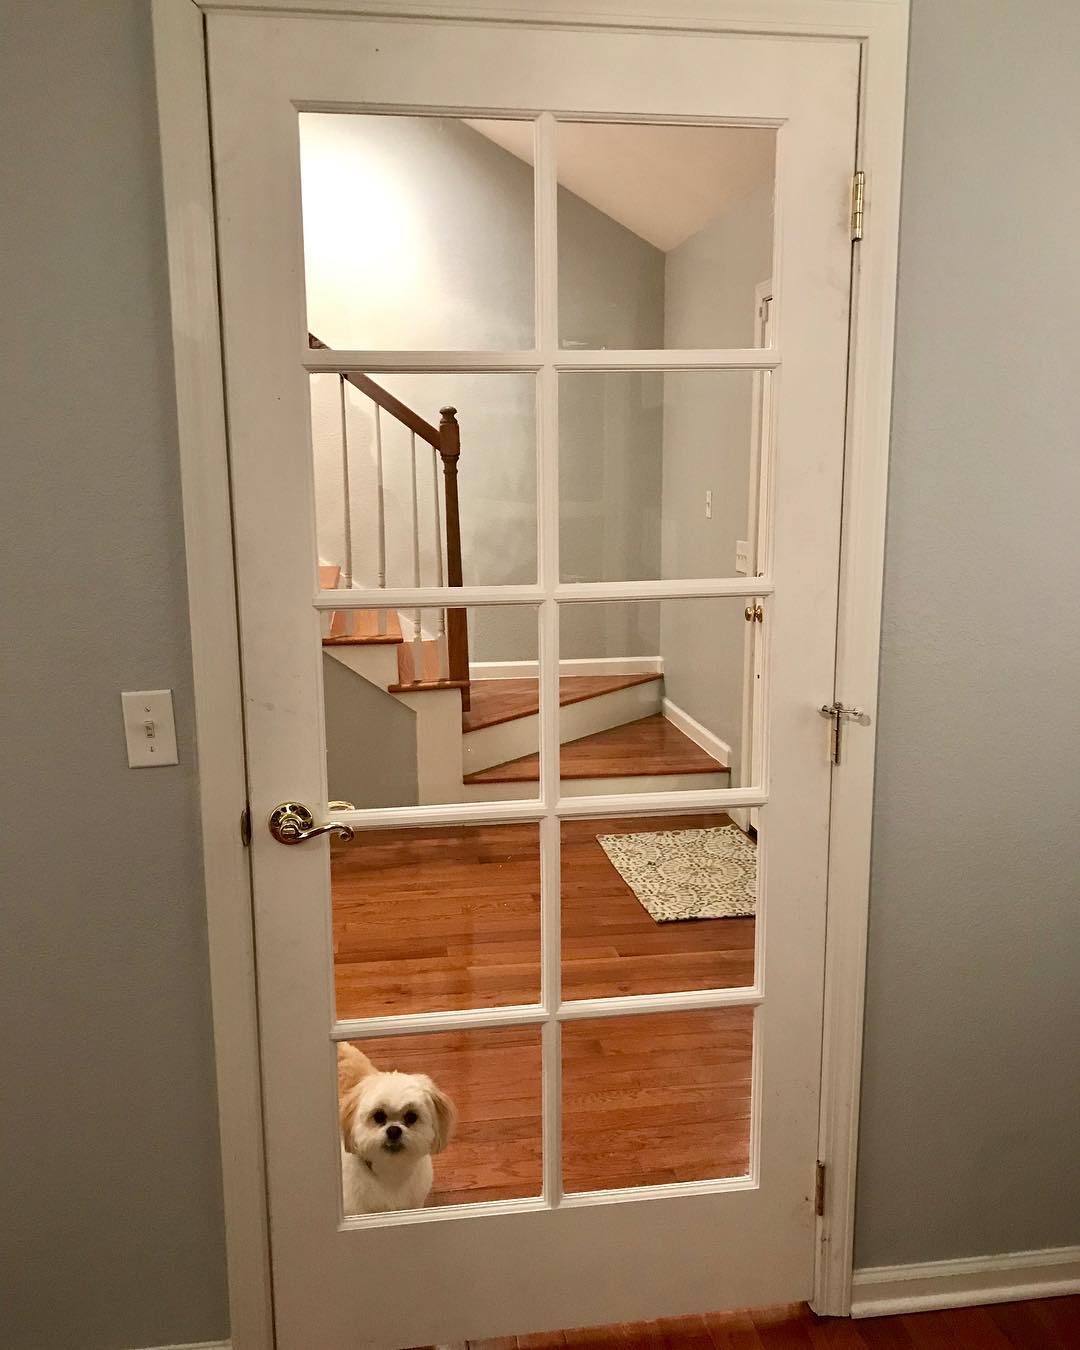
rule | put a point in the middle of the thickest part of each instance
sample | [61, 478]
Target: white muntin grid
[548, 809]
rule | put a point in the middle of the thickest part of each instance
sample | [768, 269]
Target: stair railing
[445, 443]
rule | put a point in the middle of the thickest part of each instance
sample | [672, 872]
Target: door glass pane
[664, 233]
[656, 1099]
[414, 713]
[418, 232]
[657, 904]
[478, 1121]
[659, 473]
[657, 695]
[392, 508]
[432, 920]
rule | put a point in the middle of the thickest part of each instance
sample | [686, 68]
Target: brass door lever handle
[293, 823]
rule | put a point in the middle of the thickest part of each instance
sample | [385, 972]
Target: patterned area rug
[688, 874]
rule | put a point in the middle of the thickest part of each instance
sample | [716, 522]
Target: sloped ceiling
[662, 182]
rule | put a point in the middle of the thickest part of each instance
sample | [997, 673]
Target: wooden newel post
[457, 626]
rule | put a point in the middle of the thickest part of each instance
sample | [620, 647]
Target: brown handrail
[446, 439]
[384, 399]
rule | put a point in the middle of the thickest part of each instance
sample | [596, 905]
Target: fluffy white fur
[391, 1124]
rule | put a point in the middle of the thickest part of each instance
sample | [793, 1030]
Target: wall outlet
[149, 728]
[742, 557]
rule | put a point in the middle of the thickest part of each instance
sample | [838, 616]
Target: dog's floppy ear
[445, 1114]
[347, 1108]
[352, 1066]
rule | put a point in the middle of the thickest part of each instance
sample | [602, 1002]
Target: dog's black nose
[393, 1133]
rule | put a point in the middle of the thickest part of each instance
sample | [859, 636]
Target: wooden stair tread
[365, 628]
[425, 686]
[497, 701]
[329, 573]
[651, 745]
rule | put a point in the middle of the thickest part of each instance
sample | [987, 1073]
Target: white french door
[491, 250]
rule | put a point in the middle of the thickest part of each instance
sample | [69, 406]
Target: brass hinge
[819, 1190]
[858, 192]
[245, 826]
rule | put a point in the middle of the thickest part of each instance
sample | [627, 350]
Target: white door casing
[178, 52]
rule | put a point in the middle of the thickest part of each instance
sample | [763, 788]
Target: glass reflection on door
[456, 1115]
[664, 232]
[418, 232]
[474, 908]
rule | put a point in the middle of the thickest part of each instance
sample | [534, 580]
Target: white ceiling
[662, 182]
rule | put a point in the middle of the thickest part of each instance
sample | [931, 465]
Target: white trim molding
[183, 121]
[594, 665]
[884, 30]
[195, 1345]
[970, 1280]
[701, 736]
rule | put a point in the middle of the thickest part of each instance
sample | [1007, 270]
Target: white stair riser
[599, 787]
[376, 662]
[511, 740]
[438, 744]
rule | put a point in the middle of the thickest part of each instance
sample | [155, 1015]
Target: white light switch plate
[149, 728]
[742, 557]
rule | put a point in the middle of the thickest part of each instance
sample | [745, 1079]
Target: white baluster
[417, 639]
[444, 655]
[346, 494]
[380, 510]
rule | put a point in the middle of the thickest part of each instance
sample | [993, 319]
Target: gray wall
[370, 741]
[971, 1097]
[470, 284]
[112, 1228]
[113, 1215]
[709, 290]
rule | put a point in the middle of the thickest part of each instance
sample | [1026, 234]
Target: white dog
[391, 1124]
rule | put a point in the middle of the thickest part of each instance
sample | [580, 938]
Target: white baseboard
[1006, 1278]
[700, 735]
[598, 665]
[195, 1345]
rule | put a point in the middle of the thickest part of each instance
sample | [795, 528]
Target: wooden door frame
[880, 27]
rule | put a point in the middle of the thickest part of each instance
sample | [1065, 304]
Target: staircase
[446, 662]
[613, 733]
[476, 738]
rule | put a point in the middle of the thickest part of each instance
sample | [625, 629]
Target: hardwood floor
[651, 745]
[428, 920]
[1043, 1324]
[611, 945]
[495, 701]
[450, 918]
[620, 1078]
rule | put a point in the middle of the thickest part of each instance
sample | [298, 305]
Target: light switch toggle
[149, 728]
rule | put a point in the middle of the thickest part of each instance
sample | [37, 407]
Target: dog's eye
[379, 1117]
[410, 1117]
